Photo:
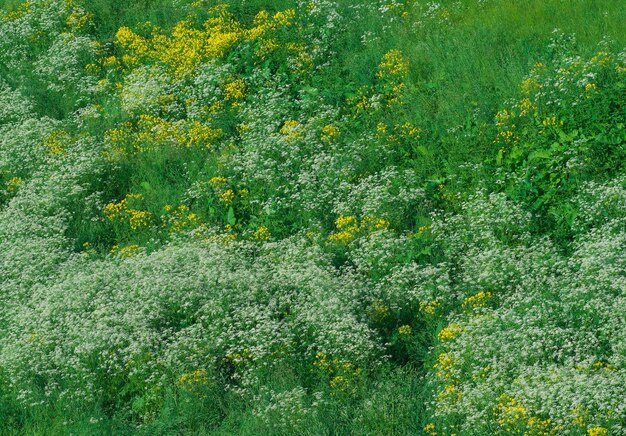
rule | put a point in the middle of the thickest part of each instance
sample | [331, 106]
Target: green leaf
[420, 149]
[138, 404]
[540, 154]
[230, 218]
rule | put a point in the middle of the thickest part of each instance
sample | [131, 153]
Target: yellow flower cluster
[579, 416]
[339, 382]
[378, 311]
[348, 227]
[399, 132]
[393, 65]
[235, 90]
[450, 393]
[529, 86]
[429, 429]
[405, 330]
[21, 11]
[217, 181]
[479, 300]
[152, 131]
[123, 252]
[292, 129]
[601, 58]
[515, 418]
[87, 247]
[551, 121]
[526, 105]
[180, 219]
[401, 9]
[123, 212]
[301, 61]
[55, 141]
[241, 358]
[261, 234]
[229, 234]
[195, 378]
[185, 133]
[13, 184]
[597, 431]
[78, 19]
[343, 375]
[444, 366]
[263, 22]
[503, 117]
[603, 366]
[448, 333]
[391, 74]
[361, 102]
[430, 307]
[227, 196]
[186, 47]
[264, 28]
[329, 133]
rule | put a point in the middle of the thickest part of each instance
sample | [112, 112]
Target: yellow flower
[122, 212]
[444, 365]
[125, 252]
[525, 105]
[448, 333]
[329, 133]
[479, 300]
[292, 129]
[405, 330]
[393, 64]
[339, 382]
[450, 393]
[56, 141]
[217, 181]
[78, 19]
[601, 57]
[197, 377]
[186, 46]
[227, 196]
[110, 61]
[429, 429]
[129, 40]
[13, 184]
[378, 311]
[345, 221]
[371, 223]
[549, 121]
[348, 226]
[597, 431]
[138, 218]
[529, 86]
[262, 234]
[235, 90]
[22, 10]
[429, 307]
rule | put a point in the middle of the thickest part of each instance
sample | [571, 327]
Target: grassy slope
[462, 71]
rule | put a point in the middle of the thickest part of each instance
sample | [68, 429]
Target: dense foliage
[313, 217]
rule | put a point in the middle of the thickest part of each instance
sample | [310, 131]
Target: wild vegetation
[313, 217]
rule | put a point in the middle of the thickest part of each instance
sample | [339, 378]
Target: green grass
[454, 190]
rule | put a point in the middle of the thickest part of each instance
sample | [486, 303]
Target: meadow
[322, 217]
